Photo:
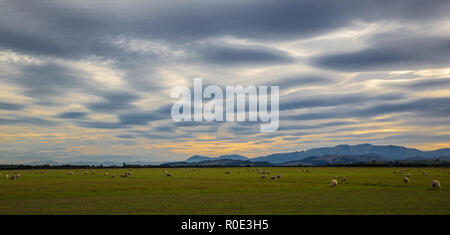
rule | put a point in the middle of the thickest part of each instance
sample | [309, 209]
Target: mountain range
[339, 153]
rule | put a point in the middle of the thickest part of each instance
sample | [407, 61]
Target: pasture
[213, 191]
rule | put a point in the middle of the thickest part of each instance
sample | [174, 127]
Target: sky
[91, 80]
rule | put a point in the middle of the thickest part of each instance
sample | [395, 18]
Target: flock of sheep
[264, 174]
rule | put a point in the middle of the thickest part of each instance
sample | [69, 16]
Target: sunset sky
[91, 80]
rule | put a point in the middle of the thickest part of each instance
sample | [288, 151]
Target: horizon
[215, 156]
[88, 81]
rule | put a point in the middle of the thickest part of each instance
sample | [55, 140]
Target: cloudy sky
[91, 80]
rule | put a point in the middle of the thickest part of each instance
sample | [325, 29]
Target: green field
[211, 191]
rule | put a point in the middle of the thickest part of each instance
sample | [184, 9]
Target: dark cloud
[72, 115]
[49, 28]
[392, 52]
[426, 107]
[11, 106]
[25, 121]
[45, 82]
[236, 55]
[114, 101]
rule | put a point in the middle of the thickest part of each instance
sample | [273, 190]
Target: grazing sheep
[273, 178]
[435, 184]
[124, 175]
[86, 172]
[406, 180]
[268, 172]
[12, 177]
[333, 183]
[168, 174]
[263, 176]
[106, 173]
[408, 175]
[278, 176]
[424, 173]
[7, 176]
[227, 172]
[112, 176]
[70, 173]
[343, 180]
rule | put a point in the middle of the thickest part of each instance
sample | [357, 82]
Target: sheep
[343, 180]
[333, 183]
[124, 175]
[278, 176]
[70, 173]
[273, 178]
[112, 176]
[408, 175]
[424, 173]
[12, 177]
[435, 184]
[106, 173]
[85, 173]
[263, 176]
[406, 180]
[7, 176]
[168, 174]
[227, 172]
[268, 172]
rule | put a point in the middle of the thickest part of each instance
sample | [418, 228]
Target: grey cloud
[237, 55]
[333, 100]
[114, 101]
[79, 29]
[391, 52]
[25, 121]
[72, 115]
[11, 106]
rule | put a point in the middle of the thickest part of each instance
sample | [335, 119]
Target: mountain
[217, 162]
[334, 160]
[198, 158]
[388, 152]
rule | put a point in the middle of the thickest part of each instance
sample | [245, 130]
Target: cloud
[239, 54]
[11, 106]
[394, 51]
[72, 115]
[113, 101]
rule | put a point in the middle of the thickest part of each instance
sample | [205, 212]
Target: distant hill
[388, 152]
[334, 160]
[341, 153]
[198, 158]
[217, 162]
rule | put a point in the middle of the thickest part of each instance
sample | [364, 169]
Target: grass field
[211, 191]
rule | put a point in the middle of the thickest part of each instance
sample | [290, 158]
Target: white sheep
[7, 176]
[406, 179]
[436, 184]
[263, 176]
[333, 183]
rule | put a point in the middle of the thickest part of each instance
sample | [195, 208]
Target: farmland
[212, 191]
